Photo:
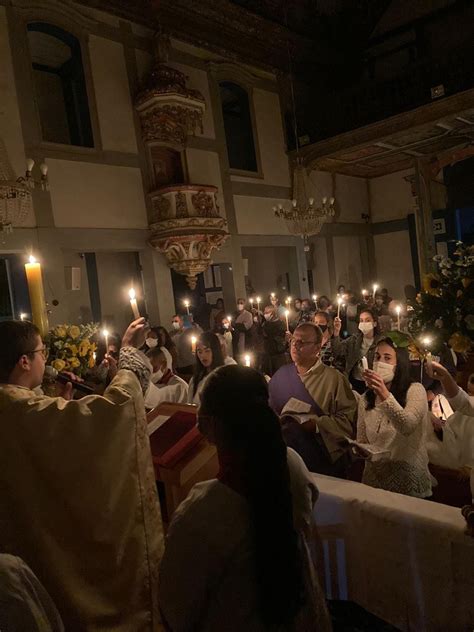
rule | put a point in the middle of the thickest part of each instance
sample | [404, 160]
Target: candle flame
[339, 300]
[287, 312]
[193, 340]
[364, 292]
[272, 294]
[32, 259]
[105, 333]
[186, 303]
[426, 341]
[22, 316]
[315, 296]
[131, 294]
[398, 309]
[258, 299]
[247, 360]
[229, 318]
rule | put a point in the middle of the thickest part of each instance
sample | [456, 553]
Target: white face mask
[366, 328]
[240, 307]
[156, 377]
[151, 343]
[175, 325]
[385, 370]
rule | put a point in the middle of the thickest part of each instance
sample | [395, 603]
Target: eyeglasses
[299, 344]
[44, 350]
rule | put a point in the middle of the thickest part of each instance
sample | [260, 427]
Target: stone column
[421, 191]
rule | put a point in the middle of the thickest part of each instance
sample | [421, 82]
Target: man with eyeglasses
[78, 498]
[327, 393]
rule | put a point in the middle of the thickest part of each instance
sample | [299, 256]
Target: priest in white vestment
[78, 500]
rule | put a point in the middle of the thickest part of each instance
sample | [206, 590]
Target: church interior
[173, 159]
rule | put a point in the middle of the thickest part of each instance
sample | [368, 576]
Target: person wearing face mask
[274, 341]
[165, 386]
[208, 357]
[392, 417]
[242, 323]
[181, 337]
[323, 321]
[278, 306]
[163, 339]
[356, 347]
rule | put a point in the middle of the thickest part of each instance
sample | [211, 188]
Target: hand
[111, 363]
[288, 336]
[65, 390]
[136, 334]
[430, 396]
[437, 423]
[375, 383]
[337, 326]
[436, 370]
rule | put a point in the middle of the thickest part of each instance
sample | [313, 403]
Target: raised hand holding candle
[133, 303]
[35, 289]
[287, 313]
[186, 304]
[339, 303]
[398, 309]
[193, 344]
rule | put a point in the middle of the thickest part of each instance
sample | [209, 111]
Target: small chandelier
[15, 193]
[304, 217]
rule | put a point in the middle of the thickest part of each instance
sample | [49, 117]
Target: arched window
[60, 88]
[238, 127]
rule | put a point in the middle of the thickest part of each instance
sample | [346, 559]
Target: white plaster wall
[197, 80]
[393, 261]
[204, 168]
[351, 198]
[320, 267]
[116, 272]
[112, 92]
[271, 139]
[76, 302]
[390, 197]
[347, 262]
[87, 195]
[255, 216]
[10, 126]
[267, 268]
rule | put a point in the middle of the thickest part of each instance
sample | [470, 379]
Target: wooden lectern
[181, 455]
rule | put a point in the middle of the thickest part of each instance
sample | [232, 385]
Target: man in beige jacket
[324, 394]
[78, 499]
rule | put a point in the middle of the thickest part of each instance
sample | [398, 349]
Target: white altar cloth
[404, 559]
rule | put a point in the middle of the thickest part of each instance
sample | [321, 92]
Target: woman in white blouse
[393, 418]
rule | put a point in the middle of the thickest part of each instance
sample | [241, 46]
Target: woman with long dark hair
[209, 356]
[393, 419]
[235, 556]
[159, 337]
[358, 346]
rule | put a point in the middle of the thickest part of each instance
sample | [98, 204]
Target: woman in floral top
[323, 320]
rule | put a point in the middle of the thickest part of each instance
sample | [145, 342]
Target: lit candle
[339, 303]
[22, 316]
[36, 292]
[247, 360]
[193, 344]
[375, 289]
[94, 356]
[315, 299]
[133, 303]
[105, 333]
[364, 293]
[272, 295]
[186, 304]
[288, 300]
[398, 309]
[287, 313]
[258, 304]
[251, 303]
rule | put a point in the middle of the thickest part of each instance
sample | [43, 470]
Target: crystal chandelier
[15, 193]
[304, 217]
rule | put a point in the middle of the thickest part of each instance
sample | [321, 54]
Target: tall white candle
[133, 303]
[287, 313]
[398, 309]
[258, 303]
[186, 304]
[339, 302]
[375, 289]
[315, 299]
[105, 333]
[193, 344]
[247, 360]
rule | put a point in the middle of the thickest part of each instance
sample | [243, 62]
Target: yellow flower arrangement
[74, 332]
[432, 284]
[71, 349]
[460, 343]
[59, 365]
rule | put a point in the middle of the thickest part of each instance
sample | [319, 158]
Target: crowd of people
[282, 391]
